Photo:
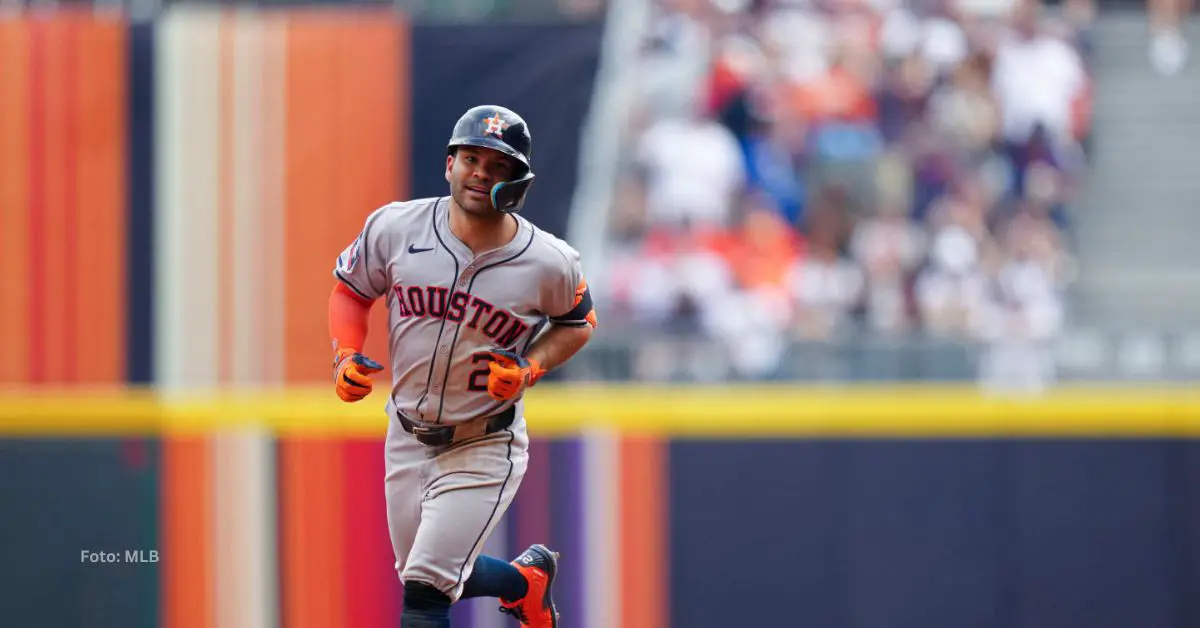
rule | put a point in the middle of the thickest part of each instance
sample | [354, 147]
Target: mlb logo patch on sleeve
[349, 258]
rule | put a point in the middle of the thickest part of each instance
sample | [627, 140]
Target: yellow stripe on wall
[724, 412]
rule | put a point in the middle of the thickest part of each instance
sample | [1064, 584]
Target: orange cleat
[539, 565]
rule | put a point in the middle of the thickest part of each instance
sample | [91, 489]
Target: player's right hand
[352, 374]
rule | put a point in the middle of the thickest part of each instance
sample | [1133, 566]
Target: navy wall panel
[1091, 544]
[1183, 477]
[755, 533]
[566, 530]
[932, 534]
[543, 72]
[140, 264]
[921, 534]
[66, 496]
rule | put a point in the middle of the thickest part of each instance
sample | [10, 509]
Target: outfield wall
[174, 193]
[672, 507]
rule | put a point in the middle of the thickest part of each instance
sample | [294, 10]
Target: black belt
[442, 435]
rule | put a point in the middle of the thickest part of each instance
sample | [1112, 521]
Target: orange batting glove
[352, 374]
[511, 373]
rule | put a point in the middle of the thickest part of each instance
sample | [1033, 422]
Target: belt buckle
[433, 436]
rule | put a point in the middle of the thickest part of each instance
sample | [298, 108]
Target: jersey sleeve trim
[346, 280]
[569, 323]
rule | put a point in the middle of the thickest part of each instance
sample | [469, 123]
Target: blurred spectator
[950, 289]
[800, 36]
[1037, 80]
[839, 94]
[676, 280]
[963, 111]
[771, 171]
[840, 113]
[694, 169]
[674, 58]
[1079, 16]
[1023, 310]
[761, 251]
[937, 39]
[825, 285]
[1168, 49]
[847, 166]
[887, 246]
[754, 319]
[902, 96]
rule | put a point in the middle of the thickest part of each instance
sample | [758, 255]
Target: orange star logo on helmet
[495, 124]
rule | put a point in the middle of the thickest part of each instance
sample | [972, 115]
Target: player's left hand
[510, 373]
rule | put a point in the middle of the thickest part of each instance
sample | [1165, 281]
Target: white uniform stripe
[244, 487]
[244, 484]
[248, 278]
[273, 46]
[169, 83]
[190, 292]
[601, 520]
[187, 78]
[274, 121]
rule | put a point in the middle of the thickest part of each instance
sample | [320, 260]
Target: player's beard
[475, 205]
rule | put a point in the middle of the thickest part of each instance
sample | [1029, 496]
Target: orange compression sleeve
[349, 314]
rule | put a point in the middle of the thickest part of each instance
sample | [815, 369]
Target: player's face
[472, 172]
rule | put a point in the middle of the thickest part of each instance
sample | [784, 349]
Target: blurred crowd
[812, 170]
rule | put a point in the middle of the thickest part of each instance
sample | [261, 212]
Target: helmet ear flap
[509, 196]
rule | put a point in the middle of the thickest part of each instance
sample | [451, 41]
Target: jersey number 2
[479, 377]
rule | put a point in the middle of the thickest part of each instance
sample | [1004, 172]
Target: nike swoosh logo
[412, 249]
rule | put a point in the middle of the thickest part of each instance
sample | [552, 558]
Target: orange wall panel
[15, 140]
[62, 199]
[342, 163]
[100, 141]
[642, 536]
[311, 532]
[187, 533]
[49, 158]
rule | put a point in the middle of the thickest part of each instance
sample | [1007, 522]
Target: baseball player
[481, 304]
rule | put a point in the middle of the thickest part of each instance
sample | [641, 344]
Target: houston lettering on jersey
[438, 302]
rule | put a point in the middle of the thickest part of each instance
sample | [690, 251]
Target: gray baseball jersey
[446, 305]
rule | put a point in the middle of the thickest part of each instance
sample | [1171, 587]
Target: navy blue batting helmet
[500, 129]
